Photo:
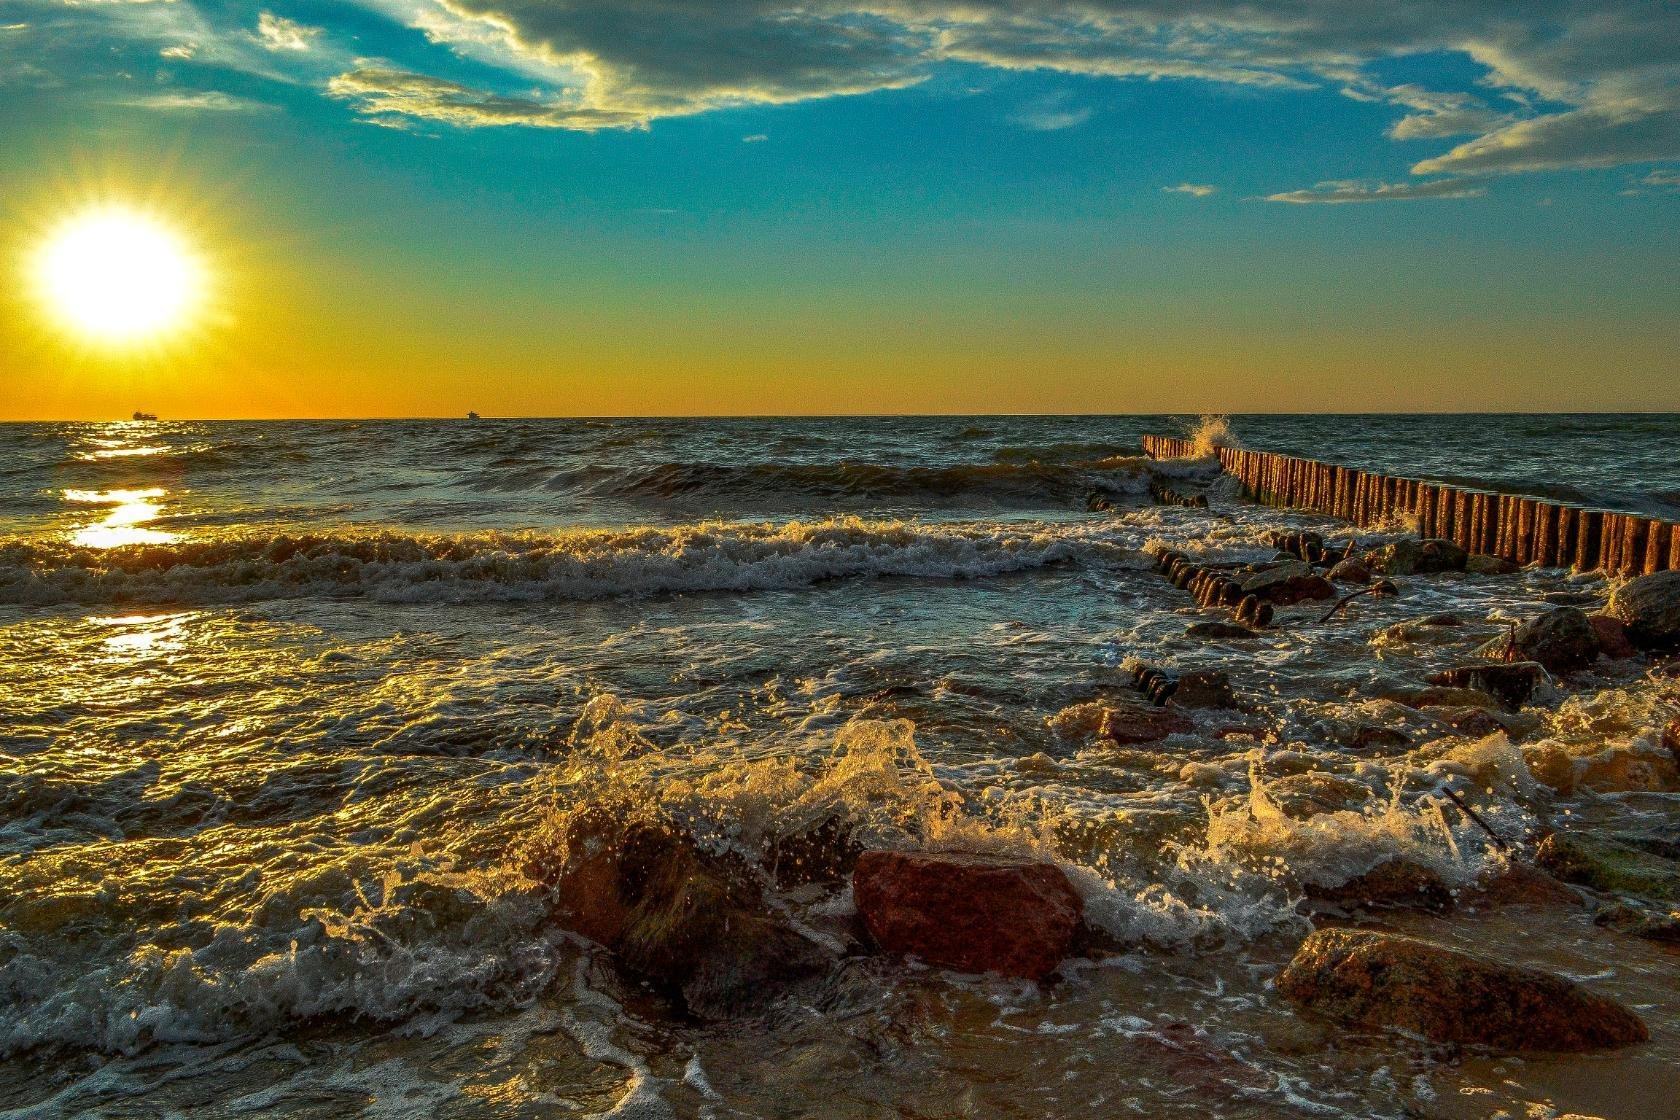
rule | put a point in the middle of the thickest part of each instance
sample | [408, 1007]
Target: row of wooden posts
[1521, 530]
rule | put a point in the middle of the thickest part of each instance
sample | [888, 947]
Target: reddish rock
[1671, 737]
[1134, 723]
[1205, 688]
[1612, 637]
[1509, 682]
[1523, 885]
[1476, 723]
[970, 913]
[1392, 884]
[1383, 981]
[1351, 571]
[1289, 582]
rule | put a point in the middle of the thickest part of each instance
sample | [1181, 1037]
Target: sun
[116, 276]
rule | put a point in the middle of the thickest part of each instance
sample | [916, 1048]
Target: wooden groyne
[1521, 530]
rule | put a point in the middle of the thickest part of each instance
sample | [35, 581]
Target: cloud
[380, 91]
[1199, 190]
[1558, 83]
[278, 33]
[1051, 114]
[755, 138]
[179, 51]
[198, 101]
[1344, 190]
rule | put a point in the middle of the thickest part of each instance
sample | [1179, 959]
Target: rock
[1649, 607]
[1444, 618]
[824, 852]
[1562, 639]
[679, 917]
[1628, 767]
[1219, 630]
[1671, 737]
[1369, 735]
[1522, 885]
[1418, 557]
[1350, 571]
[1392, 884]
[1509, 682]
[1308, 794]
[1205, 688]
[1551, 765]
[1135, 723]
[1293, 581]
[1384, 981]
[1481, 564]
[1609, 866]
[1612, 637]
[1441, 696]
[1619, 916]
[970, 913]
[1476, 723]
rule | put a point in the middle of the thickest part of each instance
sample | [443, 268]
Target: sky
[534, 207]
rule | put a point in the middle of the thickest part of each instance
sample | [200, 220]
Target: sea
[283, 704]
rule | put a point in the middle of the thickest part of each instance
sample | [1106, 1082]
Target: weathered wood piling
[1521, 530]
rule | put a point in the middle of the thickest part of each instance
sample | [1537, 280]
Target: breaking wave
[568, 565]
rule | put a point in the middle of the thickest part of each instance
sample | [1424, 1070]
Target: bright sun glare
[116, 276]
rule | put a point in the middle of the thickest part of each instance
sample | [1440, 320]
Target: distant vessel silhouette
[472, 416]
[145, 416]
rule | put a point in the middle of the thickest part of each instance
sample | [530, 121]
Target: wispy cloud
[1051, 114]
[380, 91]
[198, 101]
[1343, 191]
[1199, 190]
[755, 138]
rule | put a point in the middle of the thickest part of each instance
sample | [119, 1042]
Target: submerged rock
[1418, 557]
[686, 920]
[1384, 981]
[1520, 884]
[1218, 630]
[1562, 639]
[1610, 866]
[969, 913]
[1649, 607]
[1671, 737]
[1394, 883]
[1509, 682]
[1135, 723]
[1638, 922]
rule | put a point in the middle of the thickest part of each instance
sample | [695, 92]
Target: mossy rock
[1606, 865]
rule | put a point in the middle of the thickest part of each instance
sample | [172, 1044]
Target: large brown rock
[1561, 639]
[1609, 865]
[1292, 581]
[1384, 981]
[1649, 607]
[1395, 883]
[1509, 682]
[1135, 723]
[1416, 557]
[970, 913]
[682, 918]
[1612, 637]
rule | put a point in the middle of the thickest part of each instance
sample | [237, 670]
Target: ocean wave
[568, 565]
[1030, 482]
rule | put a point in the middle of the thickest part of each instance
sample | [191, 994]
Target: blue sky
[767, 198]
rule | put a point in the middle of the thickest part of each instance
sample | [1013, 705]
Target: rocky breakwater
[1379, 981]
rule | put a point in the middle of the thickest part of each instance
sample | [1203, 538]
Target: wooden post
[1563, 541]
[1656, 547]
[1522, 544]
[1634, 532]
[1610, 544]
[1589, 524]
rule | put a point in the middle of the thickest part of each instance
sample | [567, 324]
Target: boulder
[1367, 736]
[1418, 557]
[1481, 564]
[1562, 639]
[1136, 723]
[1293, 581]
[1671, 737]
[1205, 688]
[969, 913]
[1474, 723]
[1612, 637]
[1649, 607]
[1382, 981]
[683, 919]
[1609, 866]
[1394, 883]
[1350, 571]
[1219, 630]
[1509, 682]
[1520, 884]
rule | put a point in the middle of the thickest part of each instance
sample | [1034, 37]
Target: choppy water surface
[279, 704]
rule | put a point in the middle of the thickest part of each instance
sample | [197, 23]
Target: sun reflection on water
[124, 524]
